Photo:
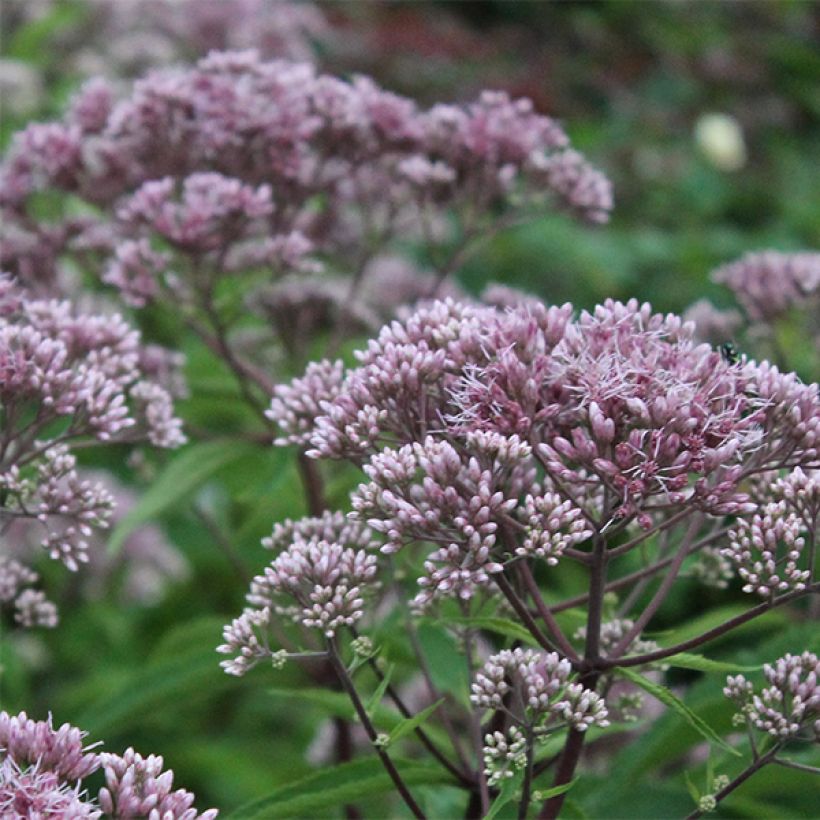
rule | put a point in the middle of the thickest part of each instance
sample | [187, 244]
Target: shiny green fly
[729, 353]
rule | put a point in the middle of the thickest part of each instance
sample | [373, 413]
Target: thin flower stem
[660, 595]
[475, 726]
[732, 623]
[522, 612]
[800, 767]
[526, 789]
[424, 668]
[423, 737]
[312, 485]
[392, 771]
[543, 610]
[571, 754]
[639, 539]
[739, 780]
[626, 580]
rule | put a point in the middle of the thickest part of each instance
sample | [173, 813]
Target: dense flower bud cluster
[504, 755]
[767, 549]
[42, 769]
[543, 682]
[767, 284]
[315, 580]
[612, 632]
[789, 705]
[137, 786]
[239, 164]
[432, 492]
[31, 606]
[67, 377]
[34, 742]
[495, 434]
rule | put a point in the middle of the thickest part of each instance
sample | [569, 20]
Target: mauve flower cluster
[42, 769]
[767, 284]
[547, 693]
[767, 549]
[66, 378]
[318, 580]
[789, 705]
[505, 434]
[536, 690]
[129, 36]
[239, 163]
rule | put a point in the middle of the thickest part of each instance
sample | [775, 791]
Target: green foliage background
[630, 80]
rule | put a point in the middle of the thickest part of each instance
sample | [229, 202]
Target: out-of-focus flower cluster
[789, 706]
[502, 434]
[66, 378]
[269, 168]
[124, 38]
[537, 691]
[42, 770]
[319, 580]
[769, 286]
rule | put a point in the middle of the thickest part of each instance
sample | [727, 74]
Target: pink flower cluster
[789, 705]
[67, 378]
[42, 769]
[768, 283]
[543, 681]
[496, 434]
[319, 580]
[767, 550]
[240, 162]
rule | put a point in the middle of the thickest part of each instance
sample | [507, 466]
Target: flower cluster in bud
[613, 632]
[766, 551]
[432, 491]
[121, 39]
[42, 769]
[31, 607]
[790, 705]
[315, 580]
[504, 755]
[543, 682]
[36, 742]
[295, 406]
[66, 376]
[238, 164]
[768, 283]
[137, 786]
[501, 434]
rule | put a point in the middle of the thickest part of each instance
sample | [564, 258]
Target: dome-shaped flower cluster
[790, 705]
[316, 580]
[67, 377]
[42, 770]
[495, 434]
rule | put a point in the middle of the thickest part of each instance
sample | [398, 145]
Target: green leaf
[188, 471]
[685, 660]
[448, 667]
[333, 787]
[501, 626]
[337, 704]
[505, 795]
[692, 788]
[32, 42]
[671, 700]
[376, 698]
[153, 687]
[412, 723]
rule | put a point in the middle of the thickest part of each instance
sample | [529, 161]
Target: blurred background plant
[709, 141]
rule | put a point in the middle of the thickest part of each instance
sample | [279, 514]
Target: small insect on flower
[730, 353]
